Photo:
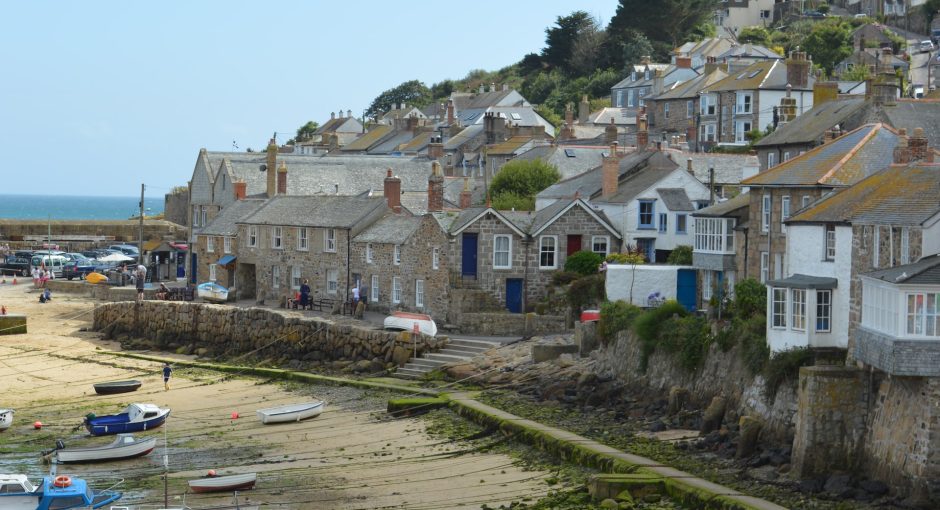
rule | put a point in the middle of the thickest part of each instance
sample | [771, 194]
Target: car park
[74, 269]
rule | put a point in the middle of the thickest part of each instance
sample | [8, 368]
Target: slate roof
[569, 160]
[914, 113]
[729, 168]
[748, 50]
[675, 199]
[764, 75]
[416, 202]
[841, 162]
[690, 89]
[810, 127]
[224, 224]
[589, 183]
[487, 99]
[634, 184]
[725, 208]
[508, 147]
[896, 195]
[925, 271]
[640, 69]
[465, 135]
[369, 139]
[314, 211]
[711, 47]
[392, 228]
[621, 116]
[391, 143]
[416, 144]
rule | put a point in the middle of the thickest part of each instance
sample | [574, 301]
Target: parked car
[74, 269]
[96, 254]
[15, 265]
[813, 14]
[54, 263]
[126, 249]
[925, 46]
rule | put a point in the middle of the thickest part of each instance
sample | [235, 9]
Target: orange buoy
[62, 481]
[234, 415]
[211, 472]
[37, 425]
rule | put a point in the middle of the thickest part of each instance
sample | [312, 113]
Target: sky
[99, 97]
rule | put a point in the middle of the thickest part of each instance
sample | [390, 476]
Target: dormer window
[646, 75]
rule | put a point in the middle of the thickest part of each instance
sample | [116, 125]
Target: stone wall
[509, 324]
[120, 230]
[218, 330]
[176, 206]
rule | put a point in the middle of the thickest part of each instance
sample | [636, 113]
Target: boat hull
[240, 482]
[112, 388]
[211, 291]
[406, 322]
[118, 424]
[118, 450]
[6, 419]
[290, 413]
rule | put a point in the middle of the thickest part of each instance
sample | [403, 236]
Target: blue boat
[56, 493]
[135, 418]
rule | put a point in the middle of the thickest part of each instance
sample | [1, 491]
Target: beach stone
[678, 399]
[610, 503]
[747, 439]
[714, 414]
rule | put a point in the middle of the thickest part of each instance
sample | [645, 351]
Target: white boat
[211, 291]
[226, 483]
[123, 447]
[405, 321]
[291, 412]
[6, 419]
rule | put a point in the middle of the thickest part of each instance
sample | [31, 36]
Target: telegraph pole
[140, 244]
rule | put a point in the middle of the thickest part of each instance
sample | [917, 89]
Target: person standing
[139, 282]
[166, 376]
[305, 294]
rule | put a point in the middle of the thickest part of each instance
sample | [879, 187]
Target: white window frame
[227, 245]
[606, 242]
[663, 223]
[689, 109]
[396, 289]
[784, 212]
[741, 128]
[786, 156]
[435, 258]
[332, 281]
[419, 293]
[764, 266]
[374, 289]
[397, 255]
[195, 216]
[708, 133]
[824, 305]
[202, 211]
[303, 243]
[744, 102]
[905, 245]
[917, 320]
[765, 211]
[771, 159]
[275, 277]
[210, 244]
[707, 285]
[277, 238]
[368, 253]
[497, 251]
[212, 272]
[830, 242]
[778, 307]
[329, 240]
[552, 252]
[714, 235]
[798, 309]
[252, 236]
[876, 246]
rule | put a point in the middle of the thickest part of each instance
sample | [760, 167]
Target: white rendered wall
[646, 280]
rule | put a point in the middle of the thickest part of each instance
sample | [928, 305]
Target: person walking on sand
[166, 376]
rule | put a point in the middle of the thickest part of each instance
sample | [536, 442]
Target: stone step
[422, 362]
[407, 373]
[446, 358]
[483, 345]
[459, 352]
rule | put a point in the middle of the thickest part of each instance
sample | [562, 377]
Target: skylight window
[755, 73]
[740, 76]
[569, 153]
[515, 116]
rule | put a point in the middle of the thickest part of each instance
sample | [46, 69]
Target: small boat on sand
[55, 492]
[6, 419]
[211, 291]
[134, 418]
[124, 446]
[95, 278]
[291, 412]
[239, 482]
[113, 387]
[405, 321]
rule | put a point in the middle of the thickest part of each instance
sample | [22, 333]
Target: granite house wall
[228, 331]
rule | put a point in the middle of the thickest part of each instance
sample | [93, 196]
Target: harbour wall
[226, 331]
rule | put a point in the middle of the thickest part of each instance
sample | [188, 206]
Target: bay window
[779, 308]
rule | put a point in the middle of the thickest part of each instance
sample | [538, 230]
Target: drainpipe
[348, 235]
[525, 274]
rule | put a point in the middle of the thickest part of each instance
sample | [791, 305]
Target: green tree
[754, 35]
[856, 73]
[523, 179]
[930, 8]
[507, 201]
[829, 43]
[586, 51]
[560, 39]
[306, 131]
[666, 23]
[412, 92]
[443, 89]
[583, 262]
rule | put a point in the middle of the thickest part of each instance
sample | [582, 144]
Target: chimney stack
[348, 114]
[569, 114]
[825, 91]
[688, 166]
[642, 133]
[610, 132]
[332, 115]
[798, 68]
[435, 148]
[902, 152]
[684, 62]
[450, 112]
[584, 110]
[482, 88]
[466, 196]
[918, 145]
[392, 192]
[610, 171]
[271, 168]
[436, 188]
[282, 179]
[241, 190]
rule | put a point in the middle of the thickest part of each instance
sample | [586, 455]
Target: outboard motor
[59, 444]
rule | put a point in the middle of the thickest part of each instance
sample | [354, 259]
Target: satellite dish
[263, 167]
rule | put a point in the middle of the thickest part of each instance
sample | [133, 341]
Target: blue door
[685, 289]
[514, 294]
[468, 259]
[193, 266]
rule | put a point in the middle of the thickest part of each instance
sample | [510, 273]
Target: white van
[55, 263]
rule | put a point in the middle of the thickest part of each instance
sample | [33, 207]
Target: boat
[134, 418]
[291, 412]
[111, 388]
[6, 419]
[211, 291]
[56, 492]
[124, 446]
[405, 321]
[237, 482]
[95, 278]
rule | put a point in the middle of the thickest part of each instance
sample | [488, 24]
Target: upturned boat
[134, 418]
[6, 419]
[291, 412]
[113, 387]
[406, 321]
[60, 492]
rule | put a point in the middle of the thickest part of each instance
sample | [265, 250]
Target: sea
[65, 207]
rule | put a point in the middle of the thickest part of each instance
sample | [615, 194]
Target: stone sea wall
[219, 330]
[509, 324]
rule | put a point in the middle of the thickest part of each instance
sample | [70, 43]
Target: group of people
[302, 298]
[41, 275]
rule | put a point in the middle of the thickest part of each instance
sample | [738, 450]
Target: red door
[574, 244]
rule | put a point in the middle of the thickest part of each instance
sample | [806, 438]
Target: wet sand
[351, 457]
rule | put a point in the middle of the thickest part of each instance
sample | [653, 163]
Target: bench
[181, 294]
[320, 304]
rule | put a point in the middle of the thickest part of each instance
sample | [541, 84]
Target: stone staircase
[457, 350]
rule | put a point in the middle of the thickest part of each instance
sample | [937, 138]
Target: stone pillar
[584, 110]
[831, 420]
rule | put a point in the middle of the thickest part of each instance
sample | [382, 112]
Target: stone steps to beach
[457, 350]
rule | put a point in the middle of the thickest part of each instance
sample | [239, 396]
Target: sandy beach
[352, 457]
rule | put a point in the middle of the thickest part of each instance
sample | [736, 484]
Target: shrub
[586, 291]
[650, 324]
[785, 366]
[616, 316]
[560, 278]
[583, 262]
[751, 334]
[681, 256]
[688, 338]
[626, 258]
[750, 298]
